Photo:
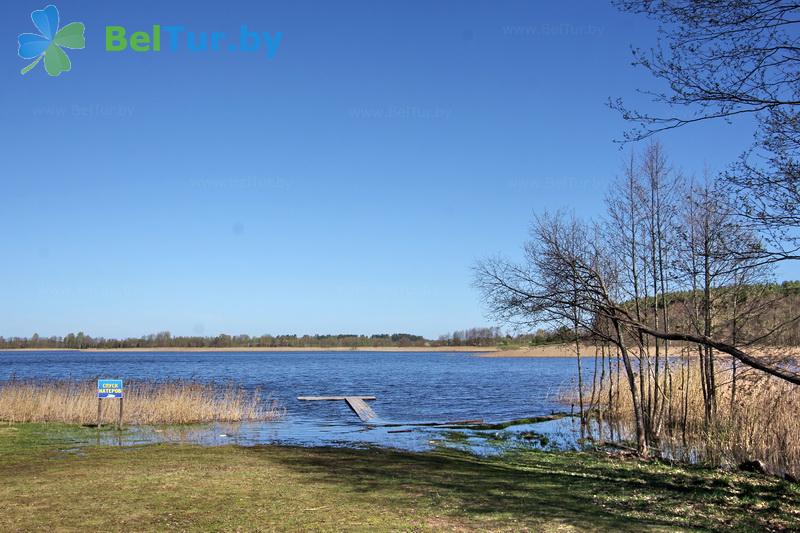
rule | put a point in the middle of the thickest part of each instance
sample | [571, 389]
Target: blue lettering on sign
[109, 388]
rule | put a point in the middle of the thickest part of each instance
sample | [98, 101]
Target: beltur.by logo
[118, 39]
[49, 43]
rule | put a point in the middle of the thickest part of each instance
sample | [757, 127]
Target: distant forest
[164, 339]
[772, 311]
[778, 302]
[467, 337]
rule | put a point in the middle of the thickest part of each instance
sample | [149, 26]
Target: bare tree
[566, 278]
[722, 58]
[577, 277]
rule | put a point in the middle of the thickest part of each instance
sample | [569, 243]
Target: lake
[412, 388]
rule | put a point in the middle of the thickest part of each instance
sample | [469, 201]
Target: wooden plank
[327, 398]
[357, 404]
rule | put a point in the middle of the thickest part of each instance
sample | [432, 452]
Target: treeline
[479, 336]
[777, 305]
[472, 337]
[164, 339]
[494, 337]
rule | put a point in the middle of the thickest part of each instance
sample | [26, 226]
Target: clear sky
[346, 184]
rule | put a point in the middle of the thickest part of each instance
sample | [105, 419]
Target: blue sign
[109, 388]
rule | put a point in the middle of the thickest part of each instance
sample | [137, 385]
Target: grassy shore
[46, 484]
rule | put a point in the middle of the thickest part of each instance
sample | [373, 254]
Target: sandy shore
[473, 349]
[549, 350]
[588, 350]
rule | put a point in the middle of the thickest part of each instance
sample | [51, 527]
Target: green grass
[46, 484]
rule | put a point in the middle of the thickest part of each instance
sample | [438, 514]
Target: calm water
[411, 388]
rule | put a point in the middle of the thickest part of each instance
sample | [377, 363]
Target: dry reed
[146, 402]
[758, 420]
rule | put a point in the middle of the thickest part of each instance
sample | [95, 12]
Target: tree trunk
[641, 439]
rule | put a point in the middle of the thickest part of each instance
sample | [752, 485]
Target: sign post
[109, 388]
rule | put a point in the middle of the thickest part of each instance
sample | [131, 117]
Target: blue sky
[346, 184]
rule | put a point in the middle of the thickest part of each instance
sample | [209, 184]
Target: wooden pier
[356, 403]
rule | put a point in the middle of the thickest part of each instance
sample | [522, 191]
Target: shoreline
[472, 349]
[545, 350]
[588, 351]
[549, 350]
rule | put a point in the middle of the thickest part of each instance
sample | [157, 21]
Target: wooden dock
[356, 403]
[359, 407]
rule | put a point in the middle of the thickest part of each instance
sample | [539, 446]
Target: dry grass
[760, 421]
[171, 402]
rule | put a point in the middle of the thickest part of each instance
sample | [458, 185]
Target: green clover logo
[49, 43]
